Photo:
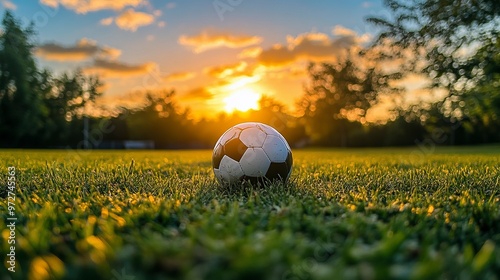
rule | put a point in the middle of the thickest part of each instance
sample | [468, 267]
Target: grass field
[346, 214]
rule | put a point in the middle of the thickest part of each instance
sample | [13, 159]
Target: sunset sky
[215, 54]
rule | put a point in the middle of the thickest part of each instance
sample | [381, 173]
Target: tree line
[39, 109]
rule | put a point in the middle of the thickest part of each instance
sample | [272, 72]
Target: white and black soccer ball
[252, 152]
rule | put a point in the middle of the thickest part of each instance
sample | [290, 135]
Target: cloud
[311, 47]
[113, 68]
[106, 21]
[162, 24]
[339, 30]
[81, 50]
[8, 5]
[179, 76]
[131, 20]
[293, 71]
[250, 52]
[157, 13]
[211, 39]
[85, 6]
[170, 5]
[197, 93]
[223, 71]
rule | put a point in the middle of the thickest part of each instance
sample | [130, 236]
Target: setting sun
[242, 100]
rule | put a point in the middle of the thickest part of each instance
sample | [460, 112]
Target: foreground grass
[346, 214]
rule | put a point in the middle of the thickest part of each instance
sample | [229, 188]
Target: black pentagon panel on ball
[235, 149]
[289, 159]
[217, 156]
[277, 171]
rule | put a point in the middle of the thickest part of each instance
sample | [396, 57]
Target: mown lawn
[346, 214]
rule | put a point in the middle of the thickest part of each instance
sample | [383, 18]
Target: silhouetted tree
[162, 121]
[339, 92]
[37, 109]
[456, 44]
[480, 105]
[66, 101]
[22, 112]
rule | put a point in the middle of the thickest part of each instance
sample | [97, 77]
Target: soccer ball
[252, 152]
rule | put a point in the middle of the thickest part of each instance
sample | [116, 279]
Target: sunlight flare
[242, 100]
